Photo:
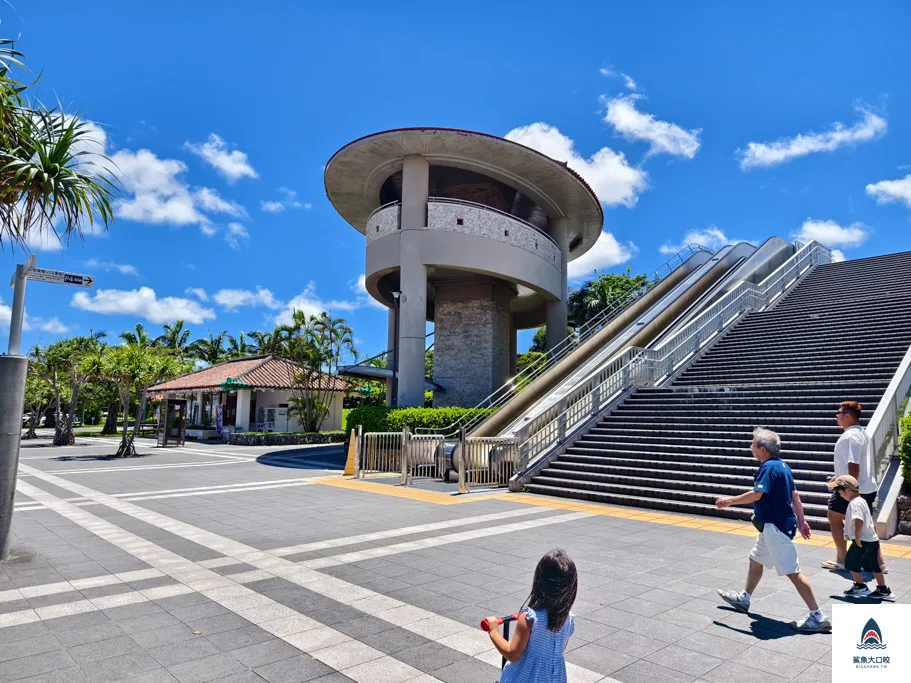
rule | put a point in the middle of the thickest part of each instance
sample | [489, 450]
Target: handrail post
[596, 398]
[561, 420]
[463, 447]
[358, 450]
[406, 440]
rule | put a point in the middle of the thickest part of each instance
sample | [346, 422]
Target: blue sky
[693, 121]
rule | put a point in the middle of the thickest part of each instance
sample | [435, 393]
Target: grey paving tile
[69, 675]
[176, 633]
[712, 645]
[294, 670]
[198, 611]
[264, 653]
[468, 669]
[218, 623]
[11, 634]
[430, 656]
[120, 668]
[648, 672]
[103, 649]
[75, 621]
[598, 658]
[685, 661]
[140, 609]
[394, 640]
[779, 664]
[729, 671]
[206, 669]
[33, 665]
[193, 647]
[239, 637]
[28, 647]
[815, 673]
[147, 622]
[90, 634]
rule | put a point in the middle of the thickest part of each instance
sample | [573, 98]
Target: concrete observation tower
[467, 230]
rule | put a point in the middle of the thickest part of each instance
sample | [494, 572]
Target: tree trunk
[65, 436]
[110, 422]
[127, 447]
[32, 423]
[140, 413]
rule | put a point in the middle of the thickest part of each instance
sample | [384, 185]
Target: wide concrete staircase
[837, 335]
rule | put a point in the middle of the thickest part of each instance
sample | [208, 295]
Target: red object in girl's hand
[501, 620]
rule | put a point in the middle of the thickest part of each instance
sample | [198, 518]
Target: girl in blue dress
[535, 653]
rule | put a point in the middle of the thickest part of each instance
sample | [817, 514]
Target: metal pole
[395, 351]
[15, 323]
[12, 397]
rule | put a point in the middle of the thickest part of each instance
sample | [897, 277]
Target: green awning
[231, 384]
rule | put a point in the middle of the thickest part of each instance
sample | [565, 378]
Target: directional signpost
[13, 368]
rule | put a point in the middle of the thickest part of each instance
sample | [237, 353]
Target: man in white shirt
[853, 457]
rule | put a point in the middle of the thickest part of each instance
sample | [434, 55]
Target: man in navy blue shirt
[777, 515]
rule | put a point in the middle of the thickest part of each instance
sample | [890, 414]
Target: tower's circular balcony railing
[469, 218]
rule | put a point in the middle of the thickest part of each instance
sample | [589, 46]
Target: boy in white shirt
[864, 551]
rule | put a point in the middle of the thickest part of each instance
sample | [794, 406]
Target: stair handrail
[647, 366]
[886, 420]
[569, 343]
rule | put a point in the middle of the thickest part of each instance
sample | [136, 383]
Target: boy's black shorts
[859, 559]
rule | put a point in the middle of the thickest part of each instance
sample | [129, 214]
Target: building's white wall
[272, 399]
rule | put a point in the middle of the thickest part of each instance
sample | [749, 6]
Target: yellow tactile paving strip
[681, 520]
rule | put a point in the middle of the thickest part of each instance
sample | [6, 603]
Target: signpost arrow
[58, 277]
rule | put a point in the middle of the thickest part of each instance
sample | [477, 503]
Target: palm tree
[48, 178]
[238, 347]
[210, 350]
[174, 336]
[140, 336]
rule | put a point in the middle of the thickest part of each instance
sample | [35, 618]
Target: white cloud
[157, 193]
[198, 292]
[232, 299]
[42, 238]
[209, 200]
[832, 234]
[664, 137]
[629, 82]
[760, 154]
[232, 164]
[711, 238]
[359, 286]
[51, 326]
[107, 266]
[236, 233]
[889, 191]
[306, 302]
[606, 253]
[290, 201]
[142, 303]
[614, 181]
[838, 256]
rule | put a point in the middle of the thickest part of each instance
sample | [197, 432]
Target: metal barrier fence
[486, 461]
[379, 452]
[421, 456]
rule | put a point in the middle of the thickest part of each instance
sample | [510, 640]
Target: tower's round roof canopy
[355, 175]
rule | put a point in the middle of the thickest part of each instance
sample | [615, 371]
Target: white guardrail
[652, 366]
[883, 428]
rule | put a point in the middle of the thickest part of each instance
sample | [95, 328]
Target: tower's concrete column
[556, 310]
[513, 345]
[413, 281]
[390, 360]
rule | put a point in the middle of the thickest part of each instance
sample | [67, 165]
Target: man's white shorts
[775, 549]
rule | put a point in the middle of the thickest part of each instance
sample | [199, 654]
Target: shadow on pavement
[330, 457]
[762, 627]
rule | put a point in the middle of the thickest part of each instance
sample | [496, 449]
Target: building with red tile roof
[253, 394]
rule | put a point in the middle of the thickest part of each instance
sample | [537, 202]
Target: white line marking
[308, 635]
[396, 612]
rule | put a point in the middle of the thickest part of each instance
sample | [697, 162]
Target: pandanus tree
[70, 355]
[318, 345]
[38, 396]
[133, 368]
[53, 178]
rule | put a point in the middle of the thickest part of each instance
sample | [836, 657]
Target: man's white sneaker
[734, 600]
[811, 624]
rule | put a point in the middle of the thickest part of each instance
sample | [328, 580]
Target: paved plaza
[219, 563]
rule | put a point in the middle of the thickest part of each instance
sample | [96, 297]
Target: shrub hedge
[387, 419]
[904, 449]
[285, 438]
